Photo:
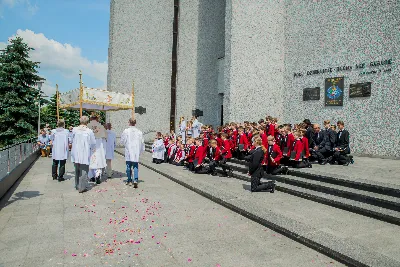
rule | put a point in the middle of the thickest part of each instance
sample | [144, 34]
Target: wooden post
[80, 93]
[133, 100]
[57, 99]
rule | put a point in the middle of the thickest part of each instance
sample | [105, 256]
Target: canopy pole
[57, 100]
[133, 99]
[80, 93]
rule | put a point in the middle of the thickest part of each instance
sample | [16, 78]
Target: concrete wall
[321, 34]
[254, 59]
[140, 49]
[201, 43]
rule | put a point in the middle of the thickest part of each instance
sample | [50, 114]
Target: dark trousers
[340, 157]
[54, 168]
[320, 154]
[240, 154]
[212, 166]
[274, 170]
[191, 166]
[225, 166]
[255, 179]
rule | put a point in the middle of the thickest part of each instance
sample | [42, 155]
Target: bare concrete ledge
[8, 181]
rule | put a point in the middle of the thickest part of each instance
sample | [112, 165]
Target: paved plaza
[47, 223]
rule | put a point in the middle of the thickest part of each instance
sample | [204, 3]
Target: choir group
[267, 146]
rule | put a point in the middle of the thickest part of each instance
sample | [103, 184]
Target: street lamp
[39, 86]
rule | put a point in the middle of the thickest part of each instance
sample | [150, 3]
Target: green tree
[18, 75]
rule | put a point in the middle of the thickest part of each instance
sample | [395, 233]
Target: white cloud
[64, 58]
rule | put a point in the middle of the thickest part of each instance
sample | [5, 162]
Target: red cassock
[200, 154]
[220, 142]
[277, 159]
[249, 137]
[179, 154]
[264, 139]
[192, 150]
[305, 145]
[217, 154]
[298, 148]
[290, 141]
[271, 130]
[205, 142]
[226, 149]
[235, 135]
[243, 141]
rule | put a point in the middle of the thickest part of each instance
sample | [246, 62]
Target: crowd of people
[267, 146]
[91, 148]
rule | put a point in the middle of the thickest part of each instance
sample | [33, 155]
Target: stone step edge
[365, 185]
[379, 200]
[348, 257]
[327, 200]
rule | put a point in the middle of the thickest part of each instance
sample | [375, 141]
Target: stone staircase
[368, 198]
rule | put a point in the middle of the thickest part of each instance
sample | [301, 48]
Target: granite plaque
[360, 90]
[334, 88]
[311, 94]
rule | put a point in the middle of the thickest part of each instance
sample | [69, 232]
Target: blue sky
[68, 35]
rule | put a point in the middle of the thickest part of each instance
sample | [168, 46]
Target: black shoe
[214, 174]
[55, 177]
[60, 179]
[135, 185]
[224, 175]
[93, 179]
[347, 163]
[324, 162]
[98, 180]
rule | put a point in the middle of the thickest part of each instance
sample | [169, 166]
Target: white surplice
[158, 149]
[132, 139]
[60, 140]
[110, 147]
[98, 156]
[182, 131]
[82, 141]
[196, 127]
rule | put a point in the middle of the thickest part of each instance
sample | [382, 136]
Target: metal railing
[13, 155]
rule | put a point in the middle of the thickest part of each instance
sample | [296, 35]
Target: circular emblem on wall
[333, 92]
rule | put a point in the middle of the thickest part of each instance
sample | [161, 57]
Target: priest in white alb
[60, 140]
[98, 157]
[132, 139]
[82, 142]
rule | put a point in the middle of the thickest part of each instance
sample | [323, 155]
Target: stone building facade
[241, 60]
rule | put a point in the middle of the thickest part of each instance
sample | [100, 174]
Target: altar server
[158, 149]
[196, 126]
[110, 147]
[98, 157]
[83, 140]
[60, 139]
[182, 129]
[132, 139]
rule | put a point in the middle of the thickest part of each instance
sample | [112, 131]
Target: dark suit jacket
[328, 139]
[343, 141]
[318, 140]
[310, 135]
[255, 159]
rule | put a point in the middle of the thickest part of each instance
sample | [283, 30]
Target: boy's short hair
[270, 138]
[340, 123]
[327, 122]
[213, 142]
[225, 135]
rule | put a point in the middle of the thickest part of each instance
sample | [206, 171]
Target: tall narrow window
[174, 65]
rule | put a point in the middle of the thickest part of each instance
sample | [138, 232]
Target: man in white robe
[182, 130]
[158, 149]
[98, 157]
[132, 139]
[196, 127]
[82, 141]
[110, 147]
[60, 139]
